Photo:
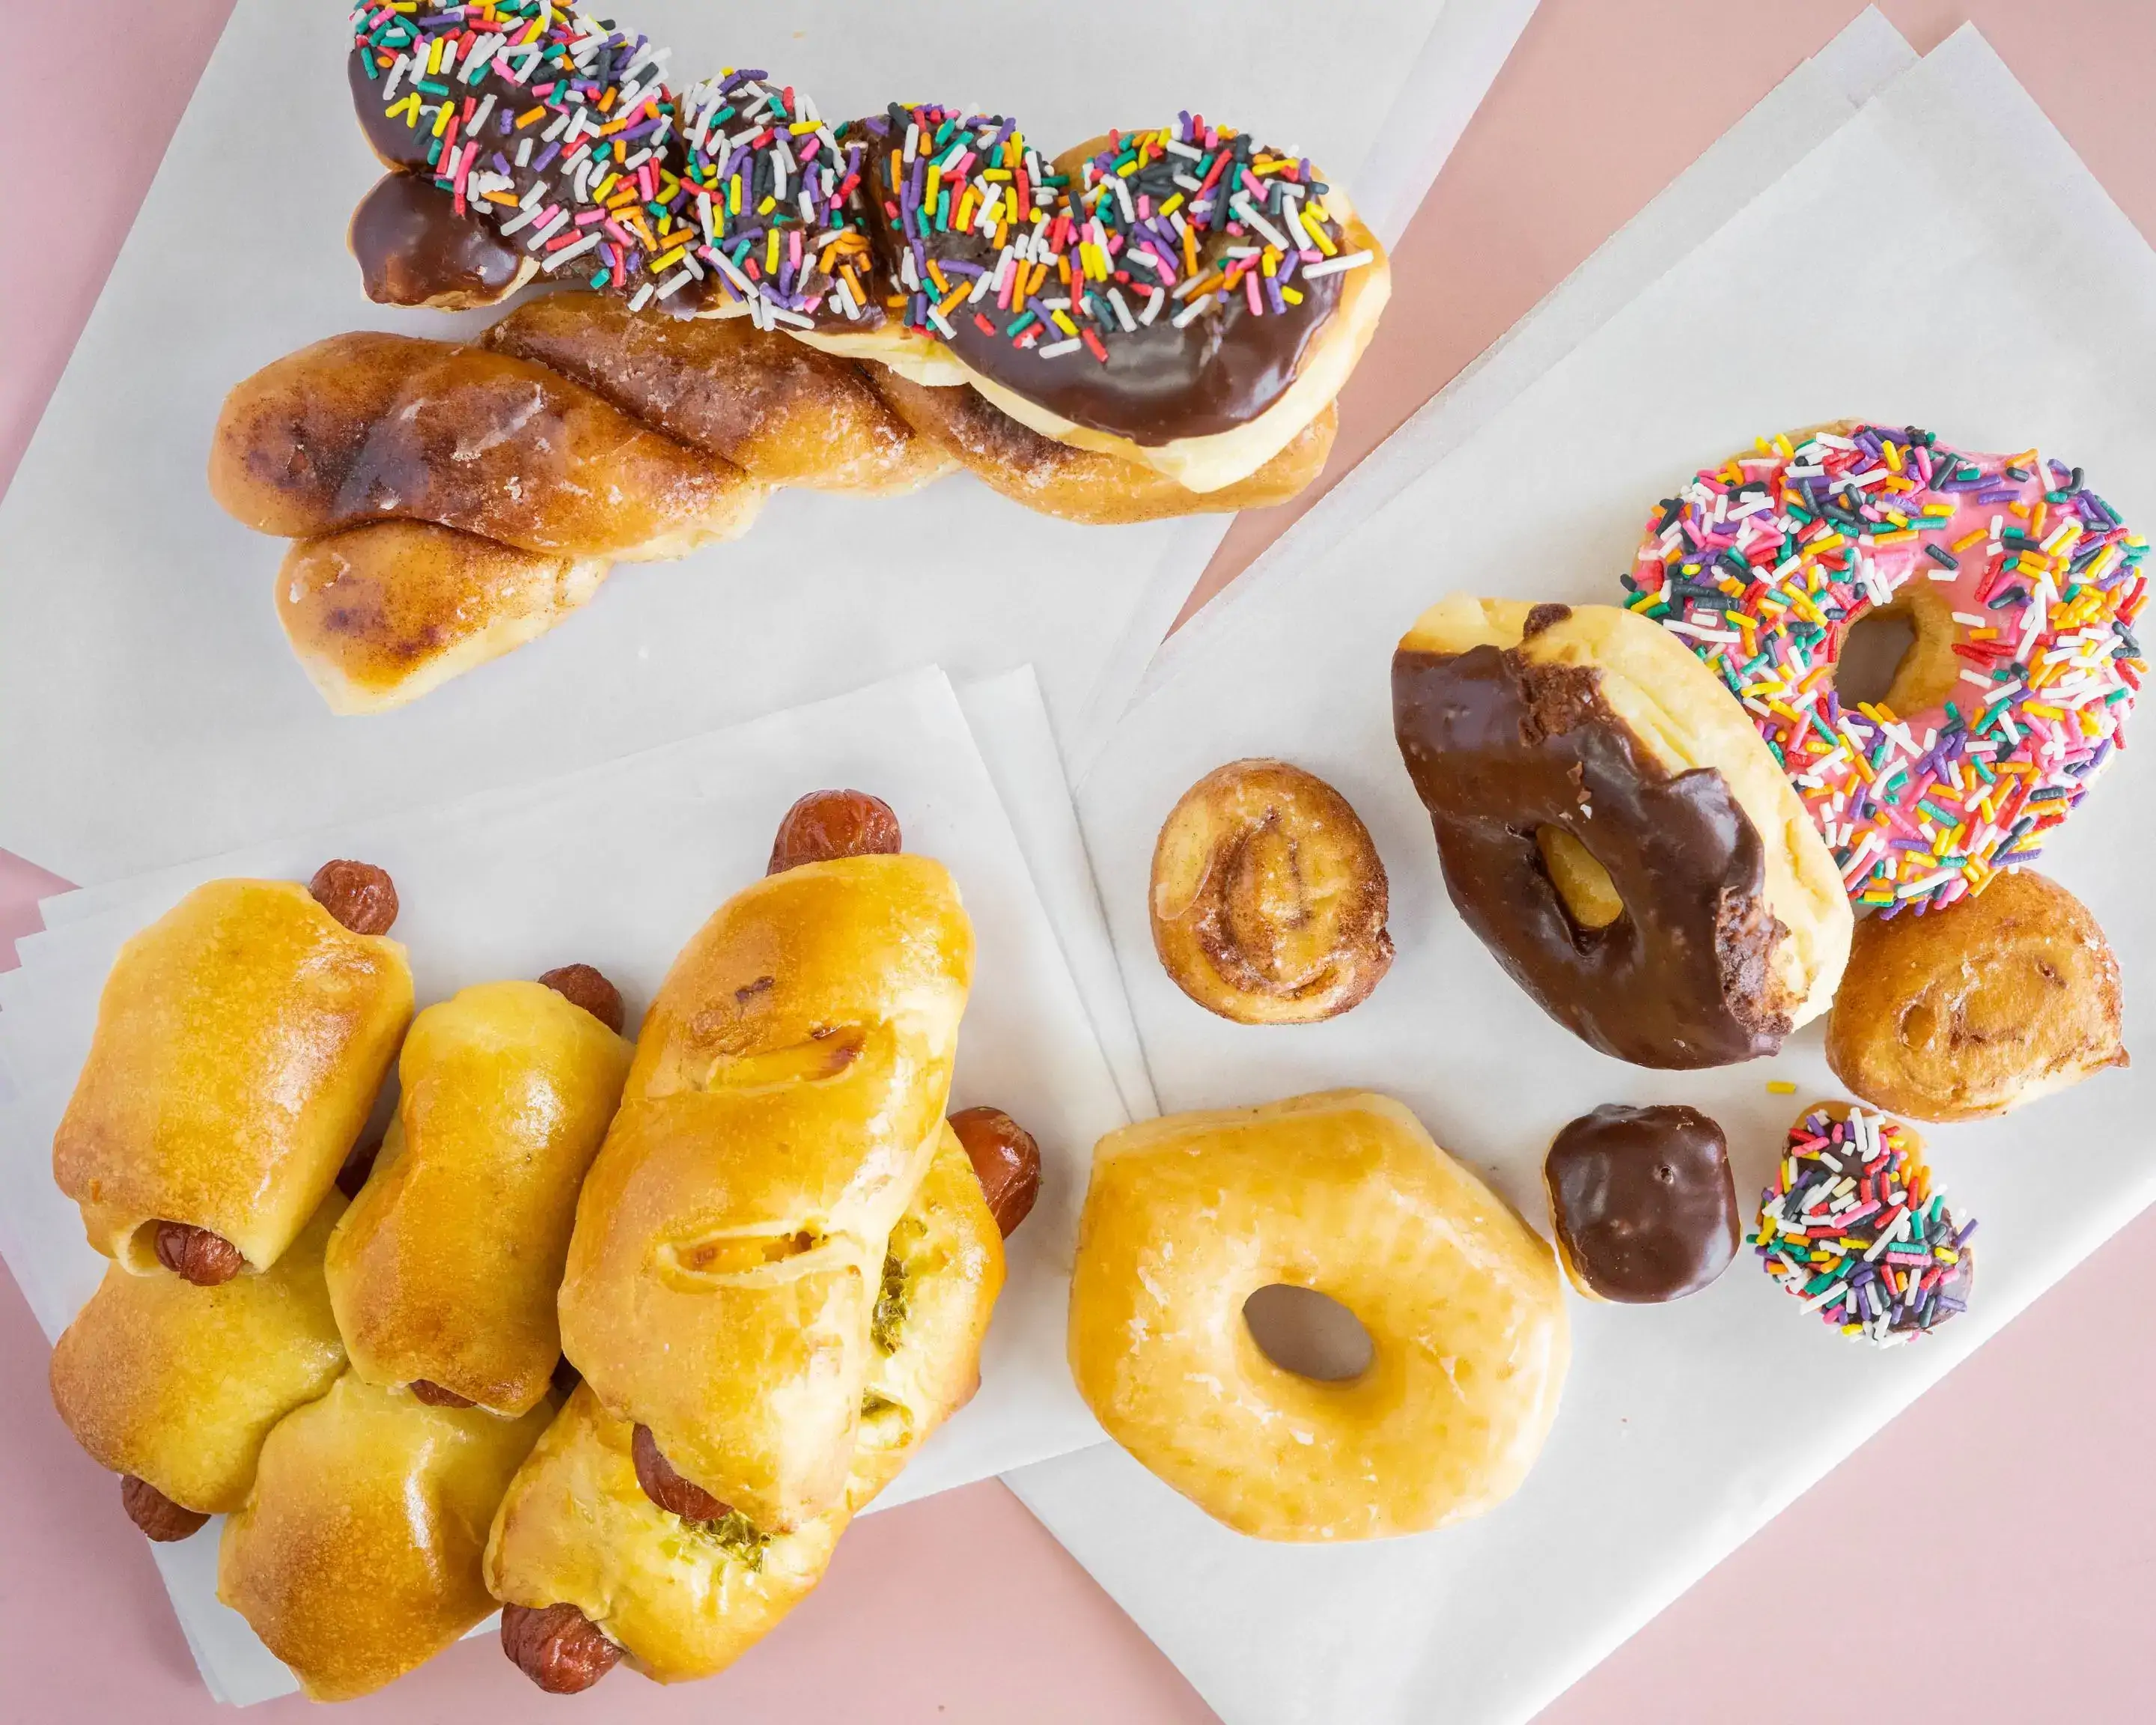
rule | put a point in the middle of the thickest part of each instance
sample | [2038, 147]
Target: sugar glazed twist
[1154, 324]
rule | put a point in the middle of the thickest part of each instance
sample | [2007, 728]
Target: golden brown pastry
[592, 1568]
[1268, 898]
[784, 413]
[1189, 1216]
[577, 1537]
[240, 1040]
[356, 1555]
[1973, 1009]
[444, 1272]
[786, 1094]
[378, 615]
[174, 1387]
[1083, 484]
[371, 427]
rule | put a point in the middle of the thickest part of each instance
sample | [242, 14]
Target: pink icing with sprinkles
[1762, 565]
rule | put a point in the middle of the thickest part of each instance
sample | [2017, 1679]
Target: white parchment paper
[1942, 259]
[616, 866]
[140, 655]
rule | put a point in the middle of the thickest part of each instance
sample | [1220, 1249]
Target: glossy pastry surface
[240, 1040]
[446, 1267]
[1344, 1192]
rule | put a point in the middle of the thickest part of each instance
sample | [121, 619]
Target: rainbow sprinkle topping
[557, 126]
[773, 189]
[1762, 564]
[1169, 222]
[1852, 1227]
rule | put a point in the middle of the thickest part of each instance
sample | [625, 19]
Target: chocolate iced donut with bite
[1643, 1202]
[1613, 830]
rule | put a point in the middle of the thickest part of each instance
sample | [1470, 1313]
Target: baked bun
[356, 1555]
[1976, 1007]
[178, 1385]
[942, 1272]
[1188, 1215]
[240, 1040]
[445, 1269]
[1268, 898]
[1614, 831]
[681, 1599]
[786, 1096]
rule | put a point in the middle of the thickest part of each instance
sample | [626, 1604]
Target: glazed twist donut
[450, 503]
[1154, 324]
[1181, 296]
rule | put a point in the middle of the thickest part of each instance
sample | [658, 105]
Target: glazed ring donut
[1268, 898]
[1188, 1215]
[2022, 587]
[1979, 1007]
[1614, 832]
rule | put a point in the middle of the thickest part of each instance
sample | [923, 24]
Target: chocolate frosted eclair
[1613, 830]
[1643, 1201]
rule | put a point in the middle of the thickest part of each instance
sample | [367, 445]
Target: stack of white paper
[1940, 257]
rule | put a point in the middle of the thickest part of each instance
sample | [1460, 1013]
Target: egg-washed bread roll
[240, 1040]
[682, 1599]
[685, 1599]
[446, 1267]
[179, 1385]
[942, 1272]
[786, 1094]
[357, 1556]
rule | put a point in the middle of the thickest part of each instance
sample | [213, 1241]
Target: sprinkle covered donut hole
[2022, 585]
[1852, 1227]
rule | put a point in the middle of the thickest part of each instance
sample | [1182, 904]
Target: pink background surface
[2021, 1485]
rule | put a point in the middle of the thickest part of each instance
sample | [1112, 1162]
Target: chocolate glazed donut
[1499, 749]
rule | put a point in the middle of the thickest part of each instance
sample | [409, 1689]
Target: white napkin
[142, 652]
[616, 866]
[1942, 259]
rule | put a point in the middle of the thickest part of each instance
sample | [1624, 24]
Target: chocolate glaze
[1644, 1202]
[410, 246]
[413, 246]
[1222, 370]
[397, 145]
[1497, 747]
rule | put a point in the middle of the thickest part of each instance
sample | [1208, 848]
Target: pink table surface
[2020, 1486]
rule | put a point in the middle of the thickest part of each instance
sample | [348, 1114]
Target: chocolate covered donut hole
[1643, 1202]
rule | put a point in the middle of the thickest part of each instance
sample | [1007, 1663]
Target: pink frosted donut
[2021, 585]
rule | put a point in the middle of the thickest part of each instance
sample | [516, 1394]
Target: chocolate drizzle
[1499, 747]
[1642, 1200]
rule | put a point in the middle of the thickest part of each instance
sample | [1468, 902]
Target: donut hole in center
[1873, 652]
[1900, 656]
[1308, 1333]
[1589, 896]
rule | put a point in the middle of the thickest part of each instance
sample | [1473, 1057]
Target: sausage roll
[240, 1040]
[356, 1555]
[787, 1096]
[592, 1568]
[444, 1270]
[177, 1386]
